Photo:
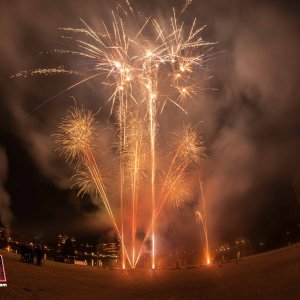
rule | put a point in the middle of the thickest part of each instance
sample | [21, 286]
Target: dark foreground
[273, 275]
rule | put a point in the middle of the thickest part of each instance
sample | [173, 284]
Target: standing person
[31, 255]
[23, 252]
[39, 255]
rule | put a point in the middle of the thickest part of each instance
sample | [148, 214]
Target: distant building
[61, 241]
[110, 250]
[3, 237]
[3, 233]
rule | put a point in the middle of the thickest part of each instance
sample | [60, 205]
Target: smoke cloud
[6, 215]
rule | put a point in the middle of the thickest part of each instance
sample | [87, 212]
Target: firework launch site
[271, 275]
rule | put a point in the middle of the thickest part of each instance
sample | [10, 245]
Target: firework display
[146, 67]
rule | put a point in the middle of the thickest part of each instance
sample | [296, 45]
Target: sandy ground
[273, 275]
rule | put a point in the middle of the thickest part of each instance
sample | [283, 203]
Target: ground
[273, 275]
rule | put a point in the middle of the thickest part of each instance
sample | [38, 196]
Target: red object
[2, 270]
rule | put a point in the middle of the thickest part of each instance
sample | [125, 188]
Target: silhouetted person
[23, 252]
[39, 256]
[31, 255]
[27, 254]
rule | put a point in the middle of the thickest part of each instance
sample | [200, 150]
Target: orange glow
[207, 259]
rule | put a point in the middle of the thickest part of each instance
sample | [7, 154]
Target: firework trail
[77, 132]
[175, 189]
[186, 5]
[201, 217]
[145, 67]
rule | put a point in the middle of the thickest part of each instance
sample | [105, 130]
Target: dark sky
[250, 123]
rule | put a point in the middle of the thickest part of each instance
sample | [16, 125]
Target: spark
[179, 193]
[189, 144]
[186, 5]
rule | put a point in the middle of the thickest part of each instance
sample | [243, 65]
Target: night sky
[250, 118]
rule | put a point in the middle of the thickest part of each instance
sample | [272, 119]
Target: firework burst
[76, 134]
[179, 190]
